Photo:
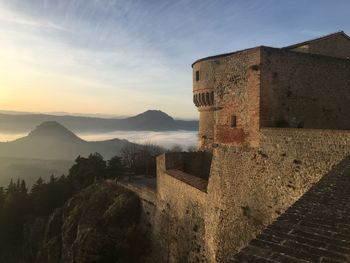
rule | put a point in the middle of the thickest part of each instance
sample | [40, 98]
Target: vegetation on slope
[71, 218]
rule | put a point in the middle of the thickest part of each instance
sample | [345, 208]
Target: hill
[31, 169]
[52, 141]
[151, 120]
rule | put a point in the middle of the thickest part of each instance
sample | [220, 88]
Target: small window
[233, 121]
[197, 75]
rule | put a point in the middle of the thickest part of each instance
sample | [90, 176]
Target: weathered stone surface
[316, 228]
[334, 45]
[235, 84]
[258, 169]
[96, 225]
[179, 221]
[303, 90]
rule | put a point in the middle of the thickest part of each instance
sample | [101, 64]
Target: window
[197, 75]
[233, 121]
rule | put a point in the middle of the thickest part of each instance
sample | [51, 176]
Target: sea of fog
[7, 137]
[166, 139]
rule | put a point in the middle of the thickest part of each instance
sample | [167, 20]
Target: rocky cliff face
[99, 224]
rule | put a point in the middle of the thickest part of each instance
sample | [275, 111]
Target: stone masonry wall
[334, 46]
[313, 229]
[201, 87]
[237, 94]
[306, 91]
[235, 80]
[249, 187]
[179, 220]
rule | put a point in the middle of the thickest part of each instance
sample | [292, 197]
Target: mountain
[52, 130]
[151, 120]
[52, 141]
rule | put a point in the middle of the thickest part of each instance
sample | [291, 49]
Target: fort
[274, 125]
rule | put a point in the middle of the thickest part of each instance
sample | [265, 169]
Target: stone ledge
[189, 179]
[144, 192]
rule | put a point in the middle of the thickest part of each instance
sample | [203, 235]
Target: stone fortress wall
[306, 91]
[235, 85]
[255, 167]
[250, 187]
[334, 45]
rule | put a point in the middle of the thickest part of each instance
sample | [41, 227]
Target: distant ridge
[151, 120]
[52, 141]
[52, 129]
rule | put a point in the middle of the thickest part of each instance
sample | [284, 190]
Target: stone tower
[241, 92]
[203, 98]
[226, 92]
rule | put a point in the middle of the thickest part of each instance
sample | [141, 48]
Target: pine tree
[23, 188]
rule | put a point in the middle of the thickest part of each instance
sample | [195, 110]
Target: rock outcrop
[99, 224]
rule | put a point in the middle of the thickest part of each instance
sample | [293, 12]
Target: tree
[11, 188]
[176, 148]
[115, 167]
[86, 170]
[23, 187]
[191, 148]
[15, 207]
[38, 185]
[145, 159]
[128, 154]
[2, 198]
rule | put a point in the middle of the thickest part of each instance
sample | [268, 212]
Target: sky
[124, 57]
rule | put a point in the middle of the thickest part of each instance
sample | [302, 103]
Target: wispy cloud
[122, 57]
[14, 19]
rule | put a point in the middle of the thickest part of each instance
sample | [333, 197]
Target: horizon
[166, 139]
[90, 115]
[122, 58]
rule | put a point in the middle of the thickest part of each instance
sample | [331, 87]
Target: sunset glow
[123, 58]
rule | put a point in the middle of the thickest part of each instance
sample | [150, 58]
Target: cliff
[99, 224]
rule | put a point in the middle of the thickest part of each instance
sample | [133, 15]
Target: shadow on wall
[194, 163]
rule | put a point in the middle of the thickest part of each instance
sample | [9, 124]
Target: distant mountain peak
[153, 114]
[52, 129]
[151, 120]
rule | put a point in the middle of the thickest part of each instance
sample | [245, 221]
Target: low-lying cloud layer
[167, 139]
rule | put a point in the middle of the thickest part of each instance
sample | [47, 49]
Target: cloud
[127, 56]
[14, 19]
[166, 139]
